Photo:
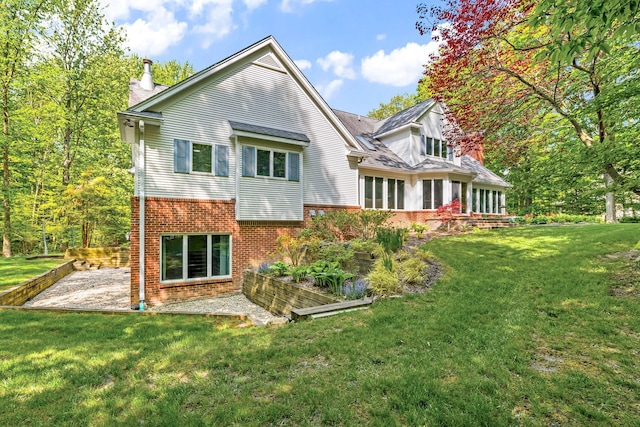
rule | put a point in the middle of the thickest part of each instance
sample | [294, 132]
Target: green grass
[522, 330]
[16, 270]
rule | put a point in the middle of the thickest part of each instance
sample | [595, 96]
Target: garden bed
[281, 296]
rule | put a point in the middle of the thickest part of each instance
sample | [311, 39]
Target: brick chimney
[472, 146]
[147, 80]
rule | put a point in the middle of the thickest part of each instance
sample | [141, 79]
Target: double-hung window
[198, 256]
[259, 162]
[193, 157]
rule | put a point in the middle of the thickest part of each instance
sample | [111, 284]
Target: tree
[395, 105]
[20, 22]
[502, 64]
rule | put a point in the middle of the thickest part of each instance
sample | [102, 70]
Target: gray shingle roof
[137, 94]
[263, 130]
[485, 176]
[404, 117]
[382, 157]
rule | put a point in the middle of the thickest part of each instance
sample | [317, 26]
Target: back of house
[247, 150]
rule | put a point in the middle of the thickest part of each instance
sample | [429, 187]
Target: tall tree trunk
[6, 201]
[610, 200]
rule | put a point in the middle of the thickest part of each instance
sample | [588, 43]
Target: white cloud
[303, 64]
[401, 67]
[288, 5]
[340, 63]
[155, 35]
[253, 4]
[381, 37]
[219, 20]
[329, 89]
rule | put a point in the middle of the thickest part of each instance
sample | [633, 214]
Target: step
[329, 309]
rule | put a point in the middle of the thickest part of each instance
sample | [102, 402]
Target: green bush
[298, 273]
[279, 268]
[384, 281]
[391, 238]
[412, 270]
[329, 275]
[341, 253]
[342, 226]
[630, 219]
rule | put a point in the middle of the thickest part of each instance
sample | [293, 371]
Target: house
[246, 150]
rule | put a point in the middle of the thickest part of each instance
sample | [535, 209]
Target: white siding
[262, 198]
[399, 143]
[256, 95]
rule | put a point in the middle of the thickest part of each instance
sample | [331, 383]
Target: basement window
[199, 256]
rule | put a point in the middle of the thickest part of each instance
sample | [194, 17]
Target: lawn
[524, 329]
[16, 270]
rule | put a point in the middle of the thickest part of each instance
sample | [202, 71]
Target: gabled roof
[137, 94]
[268, 43]
[382, 157]
[404, 117]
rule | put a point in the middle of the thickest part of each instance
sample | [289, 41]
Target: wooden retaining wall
[32, 287]
[279, 297]
[104, 257]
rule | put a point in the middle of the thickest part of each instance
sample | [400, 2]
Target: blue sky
[356, 53]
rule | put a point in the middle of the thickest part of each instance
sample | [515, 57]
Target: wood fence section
[279, 297]
[103, 257]
[32, 287]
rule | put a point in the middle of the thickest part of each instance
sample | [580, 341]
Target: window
[263, 163]
[270, 164]
[474, 200]
[191, 157]
[201, 156]
[195, 256]
[429, 146]
[395, 194]
[459, 192]
[374, 196]
[432, 194]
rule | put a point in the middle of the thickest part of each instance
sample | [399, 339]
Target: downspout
[141, 185]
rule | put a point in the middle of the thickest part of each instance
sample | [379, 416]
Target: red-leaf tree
[497, 71]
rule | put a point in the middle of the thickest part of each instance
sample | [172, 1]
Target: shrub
[419, 228]
[384, 281]
[412, 270]
[279, 268]
[341, 253]
[290, 247]
[391, 238]
[445, 213]
[630, 219]
[368, 222]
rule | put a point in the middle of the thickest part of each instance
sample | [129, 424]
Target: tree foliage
[64, 74]
[544, 74]
[395, 105]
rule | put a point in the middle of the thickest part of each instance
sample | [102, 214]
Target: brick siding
[252, 242]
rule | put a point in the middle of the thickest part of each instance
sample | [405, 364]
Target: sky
[357, 53]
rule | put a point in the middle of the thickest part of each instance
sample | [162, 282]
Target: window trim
[385, 193]
[189, 157]
[185, 258]
[289, 176]
[432, 183]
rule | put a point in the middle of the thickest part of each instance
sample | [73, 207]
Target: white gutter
[141, 185]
